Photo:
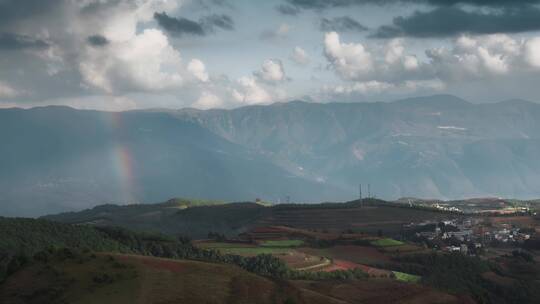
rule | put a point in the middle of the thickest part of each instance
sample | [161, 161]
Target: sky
[135, 54]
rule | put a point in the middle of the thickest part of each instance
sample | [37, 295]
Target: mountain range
[55, 159]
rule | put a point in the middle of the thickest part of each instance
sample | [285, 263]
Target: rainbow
[121, 159]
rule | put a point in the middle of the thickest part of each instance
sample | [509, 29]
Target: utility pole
[369, 190]
[360, 190]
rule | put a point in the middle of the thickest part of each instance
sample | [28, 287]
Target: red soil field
[382, 291]
[346, 265]
[157, 263]
[341, 265]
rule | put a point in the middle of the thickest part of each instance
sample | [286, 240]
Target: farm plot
[405, 277]
[242, 249]
[386, 243]
[353, 253]
[282, 243]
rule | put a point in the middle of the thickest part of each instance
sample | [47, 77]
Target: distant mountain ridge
[56, 159]
[438, 146]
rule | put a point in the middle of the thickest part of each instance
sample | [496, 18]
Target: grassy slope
[386, 243]
[282, 243]
[136, 279]
[381, 291]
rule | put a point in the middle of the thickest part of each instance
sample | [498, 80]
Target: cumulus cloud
[271, 71]
[74, 49]
[208, 100]
[250, 92]
[133, 60]
[479, 57]
[145, 62]
[350, 60]
[532, 52]
[299, 56]
[369, 68]
[374, 87]
[263, 87]
[198, 69]
[7, 91]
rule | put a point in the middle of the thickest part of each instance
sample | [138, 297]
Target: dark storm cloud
[288, 9]
[97, 40]
[181, 26]
[341, 24]
[324, 4]
[451, 21]
[12, 42]
[12, 11]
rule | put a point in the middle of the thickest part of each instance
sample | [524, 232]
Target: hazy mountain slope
[438, 146]
[58, 159]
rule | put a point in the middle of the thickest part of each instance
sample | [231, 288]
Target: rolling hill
[235, 218]
[114, 278]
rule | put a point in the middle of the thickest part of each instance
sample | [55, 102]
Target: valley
[353, 252]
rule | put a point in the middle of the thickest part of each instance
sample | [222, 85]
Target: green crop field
[386, 243]
[283, 243]
[405, 277]
[242, 249]
[253, 250]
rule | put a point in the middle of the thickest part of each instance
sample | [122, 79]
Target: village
[471, 235]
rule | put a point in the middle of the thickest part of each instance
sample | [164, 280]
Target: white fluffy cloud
[299, 56]
[351, 60]
[135, 56]
[198, 69]
[271, 71]
[145, 62]
[263, 87]
[133, 60]
[7, 91]
[477, 57]
[532, 52]
[369, 69]
[374, 87]
[250, 92]
[208, 100]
